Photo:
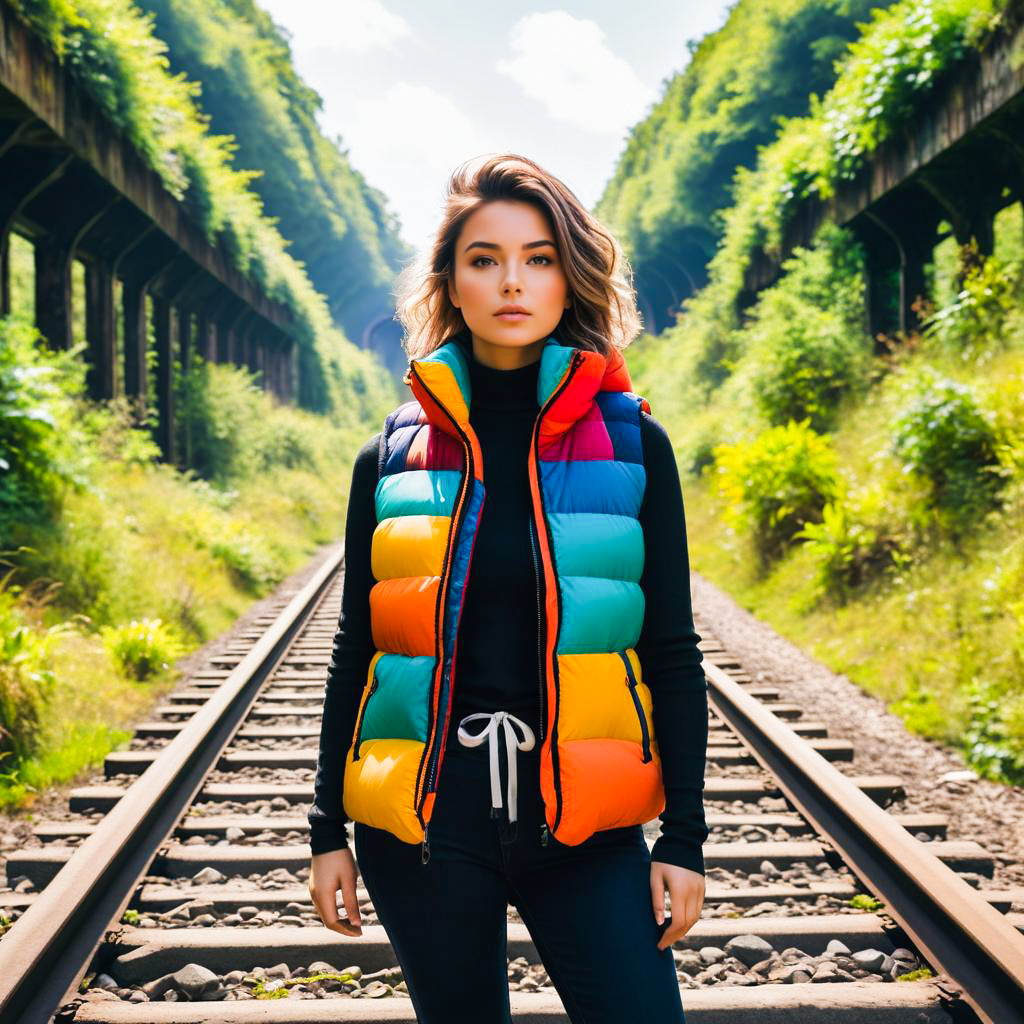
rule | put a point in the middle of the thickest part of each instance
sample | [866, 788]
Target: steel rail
[962, 934]
[44, 956]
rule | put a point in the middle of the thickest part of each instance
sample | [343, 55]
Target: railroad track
[175, 890]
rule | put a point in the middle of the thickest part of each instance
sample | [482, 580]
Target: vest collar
[440, 381]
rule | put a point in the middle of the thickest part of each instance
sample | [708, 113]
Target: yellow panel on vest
[409, 546]
[595, 702]
[380, 788]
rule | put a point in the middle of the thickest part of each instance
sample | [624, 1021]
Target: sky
[412, 89]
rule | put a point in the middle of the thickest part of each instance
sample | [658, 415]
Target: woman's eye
[539, 256]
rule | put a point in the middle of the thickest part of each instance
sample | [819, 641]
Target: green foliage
[338, 226]
[903, 54]
[110, 47]
[807, 341]
[864, 901]
[851, 545]
[976, 323]
[918, 975]
[944, 438]
[677, 169]
[142, 648]
[993, 741]
[253, 567]
[224, 423]
[26, 678]
[33, 391]
[776, 483]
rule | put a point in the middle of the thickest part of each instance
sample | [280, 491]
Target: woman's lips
[511, 316]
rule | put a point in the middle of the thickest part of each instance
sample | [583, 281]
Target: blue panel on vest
[621, 412]
[598, 544]
[593, 485]
[599, 614]
[429, 492]
[399, 442]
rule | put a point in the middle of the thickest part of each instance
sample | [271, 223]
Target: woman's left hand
[686, 897]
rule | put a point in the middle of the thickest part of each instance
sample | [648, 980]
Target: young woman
[517, 576]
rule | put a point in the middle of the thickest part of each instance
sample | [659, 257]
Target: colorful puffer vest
[600, 766]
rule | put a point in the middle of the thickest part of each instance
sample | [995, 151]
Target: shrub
[776, 483]
[945, 439]
[808, 343]
[974, 324]
[141, 648]
[26, 680]
[33, 393]
[249, 562]
[852, 547]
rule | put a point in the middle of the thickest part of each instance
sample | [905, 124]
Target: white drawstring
[512, 743]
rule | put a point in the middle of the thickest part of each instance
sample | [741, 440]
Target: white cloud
[407, 141]
[349, 26]
[564, 63]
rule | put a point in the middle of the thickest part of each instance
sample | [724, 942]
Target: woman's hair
[603, 312]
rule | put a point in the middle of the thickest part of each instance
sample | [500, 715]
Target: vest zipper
[577, 358]
[638, 704]
[362, 717]
[433, 753]
[540, 631]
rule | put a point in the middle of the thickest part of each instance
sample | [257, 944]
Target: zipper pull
[545, 834]
[425, 846]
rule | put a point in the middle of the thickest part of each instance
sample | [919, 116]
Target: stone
[197, 982]
[207, 876]
[836, 947]
[869, 959]
[233, 833]
[712, 954]
[748, 949]
[247, 912]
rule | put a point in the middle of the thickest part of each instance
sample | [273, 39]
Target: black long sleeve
[667, 648]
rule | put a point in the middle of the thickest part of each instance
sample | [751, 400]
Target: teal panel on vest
[593, 485]
[598, 544]
[554, 358]
[599, 615]
[429, 492]
[397, 710]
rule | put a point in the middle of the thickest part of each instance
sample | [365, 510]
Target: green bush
[26, 680]
[253, 567]
[141, 648]
[851, 544]
[34, 385]
[993, 741]
[974, 324]
[807, 338]
[944, 438]
[776, 483]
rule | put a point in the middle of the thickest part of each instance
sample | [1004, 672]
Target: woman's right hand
[329, 872]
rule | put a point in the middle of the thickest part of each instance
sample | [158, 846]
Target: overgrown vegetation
[110, 47]
[117, 563]
[868, 505]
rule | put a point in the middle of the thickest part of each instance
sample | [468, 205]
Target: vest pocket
[362, 718]
[645, 732]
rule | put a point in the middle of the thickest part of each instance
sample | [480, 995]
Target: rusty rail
[48, 950]
[962, 934]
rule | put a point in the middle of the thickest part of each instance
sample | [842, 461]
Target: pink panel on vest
[433, 449]
[587, 440]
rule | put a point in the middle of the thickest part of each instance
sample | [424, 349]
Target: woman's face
[505, 255]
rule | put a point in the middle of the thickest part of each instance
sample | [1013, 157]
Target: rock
[104, 981]
[961, 775]
[247, 912]
[769, 870]
[712, 954]
[748, 949]
[204, 920]
[357, 971]
[198, 983]
[207, 876]
[904, 954]
[233, 833]
[869, 959]
[279, 971]
[321, 967]
[825, 971]
[837, 947]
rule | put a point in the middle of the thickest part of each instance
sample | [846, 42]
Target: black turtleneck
[496, 659]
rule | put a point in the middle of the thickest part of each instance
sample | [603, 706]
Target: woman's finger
[657, 895]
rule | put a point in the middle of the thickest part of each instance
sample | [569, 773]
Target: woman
[516, 575]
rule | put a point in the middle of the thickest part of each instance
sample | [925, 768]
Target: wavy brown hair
[603, 314]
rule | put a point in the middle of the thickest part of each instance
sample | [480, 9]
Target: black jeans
[587, 907]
